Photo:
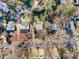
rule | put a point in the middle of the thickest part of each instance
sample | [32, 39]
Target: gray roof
[10, 26]
[24, 25]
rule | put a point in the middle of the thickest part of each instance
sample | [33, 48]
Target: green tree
[31, 2]
[11, 4]
[62, 52]
[44, 16]
[48, 4]
[69, 9]
[57, 2]
[36, 18]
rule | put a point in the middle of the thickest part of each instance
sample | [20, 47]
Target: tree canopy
[67, 9]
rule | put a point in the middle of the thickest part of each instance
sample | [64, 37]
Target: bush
[11, 4]
[62, 51]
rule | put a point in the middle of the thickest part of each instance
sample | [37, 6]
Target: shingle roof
[21, 37]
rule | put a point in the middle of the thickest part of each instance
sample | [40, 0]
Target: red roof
[21, 37]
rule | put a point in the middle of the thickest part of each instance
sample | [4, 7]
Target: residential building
[10, 27]
[63, 1]
[69, 1]
[24, 27]
[76, 1]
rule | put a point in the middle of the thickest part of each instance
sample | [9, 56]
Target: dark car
[75, 18]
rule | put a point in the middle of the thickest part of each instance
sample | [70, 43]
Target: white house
[76, 1]
[69, 1]
[10, 27]
[4, 6]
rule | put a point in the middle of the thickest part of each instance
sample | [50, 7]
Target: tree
[62, 52]
[48, 4]
[31, 2]
[12, 5]
[67, 9]
[57, 2]
[36, 18]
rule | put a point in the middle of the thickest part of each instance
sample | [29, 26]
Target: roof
[24, 25]
[2, 22]
[21, 37]
[4, 6]
[38, 9]
[10, 26]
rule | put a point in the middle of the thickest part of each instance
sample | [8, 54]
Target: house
[63, 1]
[10, 27]
[2, 22]
[38, 53]
[77, 26]
[4, 6]
[19, 10]
[53, 51]
[76, 2]
[38, 25]
[22, 9]
[19, 37]
[24, 27]
[69, 55]
[12, 17]
[38, 49]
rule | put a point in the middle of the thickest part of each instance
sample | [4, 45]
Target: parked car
[75, 18]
